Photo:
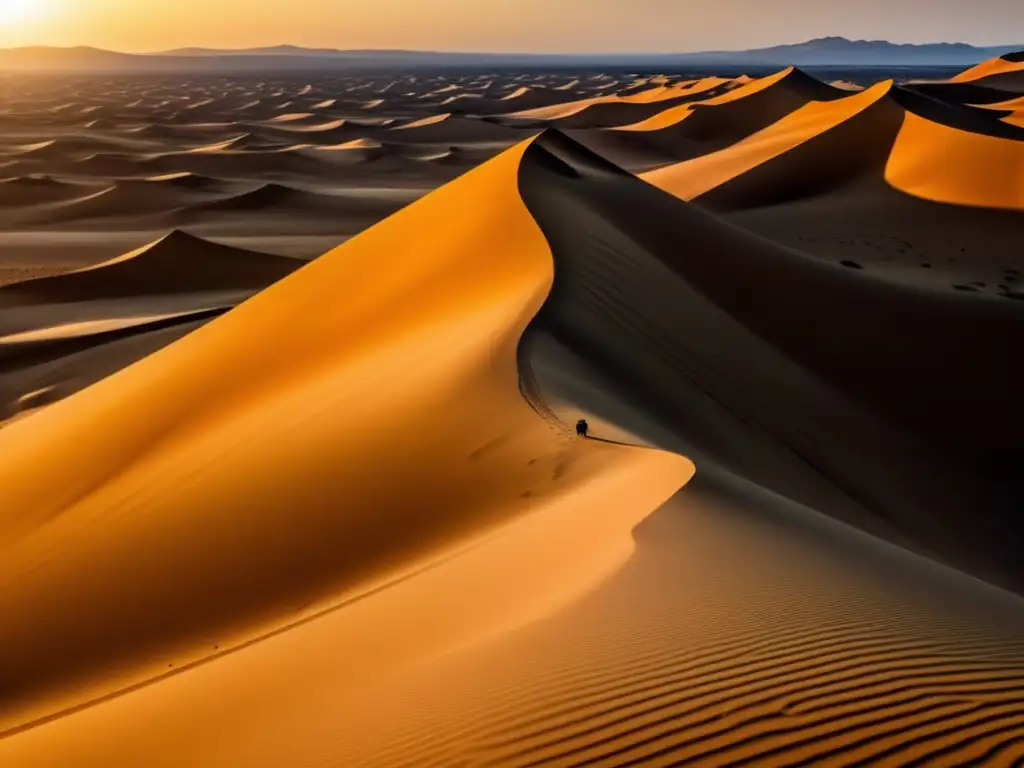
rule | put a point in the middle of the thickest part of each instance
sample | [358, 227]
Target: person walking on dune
[581, 428]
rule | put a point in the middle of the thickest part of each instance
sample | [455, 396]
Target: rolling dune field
[289, 373]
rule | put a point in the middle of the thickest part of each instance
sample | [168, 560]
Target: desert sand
[289, 369]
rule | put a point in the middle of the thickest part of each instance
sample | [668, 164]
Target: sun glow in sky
[20, 11]
[500, 25]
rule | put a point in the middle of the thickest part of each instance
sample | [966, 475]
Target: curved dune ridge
[219, 391]
[185, 180]
[742, 627]
[699, 127]
[691, 179]
[783, 90]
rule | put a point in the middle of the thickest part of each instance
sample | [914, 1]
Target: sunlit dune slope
[1004, 71]
[942, 152]
[700, 127]
[779, 93]
[359, 421]
[943, 163]
[698, 176]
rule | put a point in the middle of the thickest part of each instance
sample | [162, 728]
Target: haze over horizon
[528, 26]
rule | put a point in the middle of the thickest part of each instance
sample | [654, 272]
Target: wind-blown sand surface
[258, 511]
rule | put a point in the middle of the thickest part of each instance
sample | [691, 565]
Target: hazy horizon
[528, 26]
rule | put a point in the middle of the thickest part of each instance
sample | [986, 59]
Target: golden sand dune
[1016, 119]
[726, 115]
[942, 163]
[355, 144]
[344, 521]
[950, 154]
[219, 390]
[1005, 71]
[292, 117]
[547, 657]
[693, 178]
[781, 92]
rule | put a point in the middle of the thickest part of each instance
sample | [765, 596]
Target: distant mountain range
[827, 51]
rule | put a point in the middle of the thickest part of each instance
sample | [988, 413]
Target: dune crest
[301, 453]
[693, 178]
[992, 68]
[789, 80]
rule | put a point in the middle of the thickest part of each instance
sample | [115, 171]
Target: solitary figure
[581, 428]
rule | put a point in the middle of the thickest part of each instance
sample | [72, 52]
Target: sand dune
[700, 127]
[186, 180]
[616, 110]
[778, 94]
[497, 296]
[337, 515]
[423, 122]
[271, 197]
[860, 116]
[862, 644]
[1004, 73]
[176, 263]
[525, 97]
[26, 191]
[55, 330]
[923, 380]
[451, 129]
[127, 199]
[240, 142]
[950, 154]
[942, 163]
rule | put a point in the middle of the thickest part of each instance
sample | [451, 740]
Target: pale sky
[501, 25]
